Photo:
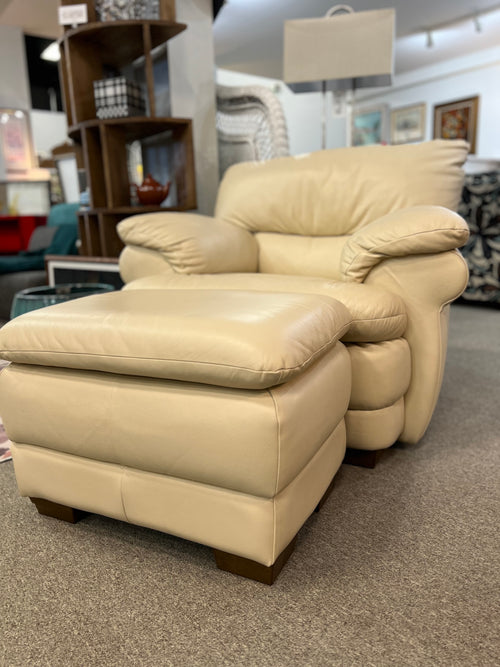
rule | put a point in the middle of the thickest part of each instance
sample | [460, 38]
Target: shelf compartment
[134, 127]
[89, 52]
[120, 52]
[98, 234]
[88, 231]
[94, 51]
[97, 228]
[105, 150]
[126, 211]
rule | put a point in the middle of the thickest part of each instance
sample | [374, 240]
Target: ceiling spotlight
[430, 41]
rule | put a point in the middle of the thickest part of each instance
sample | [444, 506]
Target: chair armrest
[413, 231]
[427, 284]
[192, 243]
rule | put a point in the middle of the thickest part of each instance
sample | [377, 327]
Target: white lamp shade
[346, 50]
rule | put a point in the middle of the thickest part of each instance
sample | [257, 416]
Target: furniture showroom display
[245, 351]
[372, 226]
[88, 53]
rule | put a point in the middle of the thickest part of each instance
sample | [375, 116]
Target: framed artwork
[457, 120]
[15, 139]
[408, 124]
[369, 126]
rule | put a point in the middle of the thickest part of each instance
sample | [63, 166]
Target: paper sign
[73, 14]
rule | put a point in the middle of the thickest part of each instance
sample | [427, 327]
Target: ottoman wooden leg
[250, 568]
[48, 508]
[361, 457]
[324, 497]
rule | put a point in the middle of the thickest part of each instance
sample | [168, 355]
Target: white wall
[14, 88]
[49, 129]
[303, 112]
[192, 90]
[14, 92]
[474, 74]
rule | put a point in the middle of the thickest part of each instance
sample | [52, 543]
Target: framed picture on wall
[457, 120]
[15, 139]
[369, 125]
[408, 124]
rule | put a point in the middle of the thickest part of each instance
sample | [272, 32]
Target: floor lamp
[344, 50]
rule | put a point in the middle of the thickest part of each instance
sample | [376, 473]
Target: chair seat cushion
[377, 314]
[239, 339]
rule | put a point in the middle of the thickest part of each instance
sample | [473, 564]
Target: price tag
[73, 14]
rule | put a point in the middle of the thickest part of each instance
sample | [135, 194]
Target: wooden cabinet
[88, 53]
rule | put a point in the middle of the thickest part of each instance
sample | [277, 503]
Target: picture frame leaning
[457, 120]
[15, 139]
[370, 125]
[408, 124]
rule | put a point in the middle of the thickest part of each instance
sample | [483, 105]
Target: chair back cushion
[300, 255]
[335, 192]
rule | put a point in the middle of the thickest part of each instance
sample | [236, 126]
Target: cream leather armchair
[374, 227]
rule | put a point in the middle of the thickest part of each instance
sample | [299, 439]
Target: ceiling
[248, 34]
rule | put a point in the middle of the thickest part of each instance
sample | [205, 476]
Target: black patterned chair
[480, 206]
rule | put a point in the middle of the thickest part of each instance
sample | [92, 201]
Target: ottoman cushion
[238, 339]
[377, 314]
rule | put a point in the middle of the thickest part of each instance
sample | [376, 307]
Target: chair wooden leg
[361, 457]
[57, 511]
[250, 568]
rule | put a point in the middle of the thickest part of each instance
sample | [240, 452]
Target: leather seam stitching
[307, 361]
[278, 463]
[378, 319]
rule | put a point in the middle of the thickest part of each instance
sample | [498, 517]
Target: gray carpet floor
[399, 568]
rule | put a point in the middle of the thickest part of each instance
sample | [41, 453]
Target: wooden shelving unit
[88, 52]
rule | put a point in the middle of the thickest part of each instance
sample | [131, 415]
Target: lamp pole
[348, 95]
[323, 115]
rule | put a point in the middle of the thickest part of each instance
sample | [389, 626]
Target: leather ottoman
[214, 415]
